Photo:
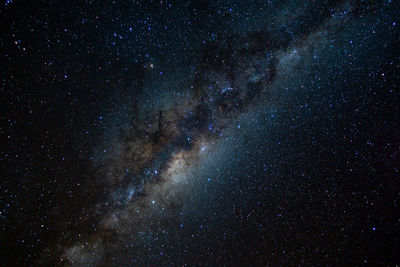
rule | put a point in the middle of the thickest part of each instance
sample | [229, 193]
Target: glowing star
[226, 89]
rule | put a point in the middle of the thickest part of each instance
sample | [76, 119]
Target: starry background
[199, 132]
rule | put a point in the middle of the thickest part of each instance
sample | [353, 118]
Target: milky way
[264, 143]
[160, 161]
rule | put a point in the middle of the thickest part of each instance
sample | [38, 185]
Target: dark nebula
[254, 133]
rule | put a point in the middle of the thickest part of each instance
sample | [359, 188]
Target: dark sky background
[142, 133]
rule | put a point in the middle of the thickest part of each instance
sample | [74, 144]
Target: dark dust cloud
[144, 133]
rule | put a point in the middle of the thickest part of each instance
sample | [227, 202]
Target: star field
[181, 133]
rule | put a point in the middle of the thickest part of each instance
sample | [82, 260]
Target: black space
[186, 133]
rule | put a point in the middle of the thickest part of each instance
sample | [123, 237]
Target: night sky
[199, 133]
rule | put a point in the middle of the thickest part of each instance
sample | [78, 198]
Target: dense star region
[141, 133]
